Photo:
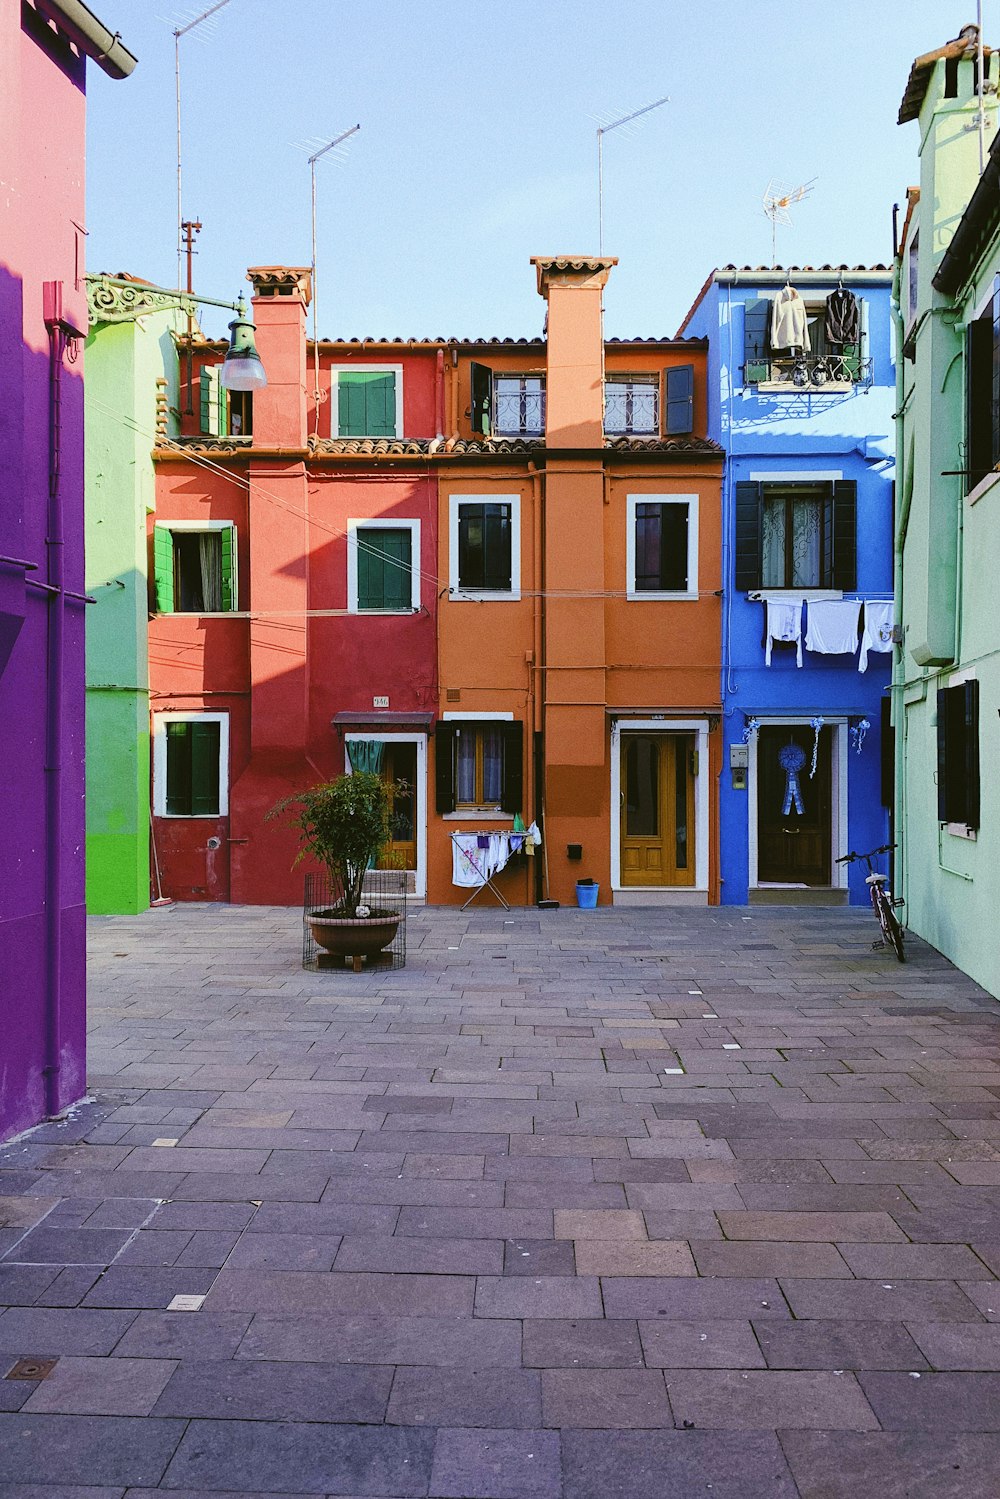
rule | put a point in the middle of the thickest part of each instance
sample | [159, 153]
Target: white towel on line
[464, 850]
[877, 632]
[784, 624]
[832, 627]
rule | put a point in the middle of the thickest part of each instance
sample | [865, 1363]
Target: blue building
[801, 384]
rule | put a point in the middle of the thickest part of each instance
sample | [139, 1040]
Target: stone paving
[626, 1203]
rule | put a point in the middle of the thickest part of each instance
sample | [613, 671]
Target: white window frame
[641, 595]
[199, 526]
[702, 784]
[420, 811]
[363, 369]
[160, 721]
[462, 596]
[366, 523]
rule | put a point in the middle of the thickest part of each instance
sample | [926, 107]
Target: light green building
[132, 385]
[946, 689]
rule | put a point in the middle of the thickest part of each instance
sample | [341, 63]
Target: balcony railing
[809, 373]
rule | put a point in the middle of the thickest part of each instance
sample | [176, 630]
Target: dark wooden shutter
[178, 768]
[844, 559]
[748, 541]
[887, 764]
[756, 343]
[995, 377]
[482, 399]
[204, 739]
[970, 758]
[444, 766]
[679, 387]
[513, 767]
[497, 543]
[942, 754]
[978, 401]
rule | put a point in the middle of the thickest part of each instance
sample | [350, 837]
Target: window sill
[476, 814]
[961, 830]
[464, 596]
[988, 482]
[396, 436]
[390, 613]
[659, 598]
[816, 595]
[193, 613]
[191, 816]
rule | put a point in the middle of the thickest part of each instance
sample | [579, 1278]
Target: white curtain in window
[465, 791]
[492, 765]
[773, 545]
[210, 558]
[805, 543]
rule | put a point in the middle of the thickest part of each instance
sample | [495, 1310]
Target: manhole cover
[32, 1368]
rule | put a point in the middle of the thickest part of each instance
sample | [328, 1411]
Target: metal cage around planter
[384, 891]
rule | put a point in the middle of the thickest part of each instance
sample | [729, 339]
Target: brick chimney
[574, 382]
[281, 295]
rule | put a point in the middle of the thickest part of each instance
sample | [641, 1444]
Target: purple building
[44, 46]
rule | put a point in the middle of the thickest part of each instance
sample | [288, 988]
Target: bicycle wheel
[892, 932]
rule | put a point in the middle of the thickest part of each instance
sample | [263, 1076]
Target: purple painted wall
[42, 975]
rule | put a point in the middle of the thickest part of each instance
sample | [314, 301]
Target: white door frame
[665, 725]
[420, 811]
[838, 794]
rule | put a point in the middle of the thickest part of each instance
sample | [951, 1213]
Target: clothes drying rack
[477, 857]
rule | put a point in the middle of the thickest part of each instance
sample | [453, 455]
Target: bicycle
[892, 932]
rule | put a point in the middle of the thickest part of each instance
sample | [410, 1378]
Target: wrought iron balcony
[808, 374]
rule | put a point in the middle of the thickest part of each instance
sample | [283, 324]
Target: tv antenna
[603, 129]
[179, 31]
[777, 201]
[333, 145]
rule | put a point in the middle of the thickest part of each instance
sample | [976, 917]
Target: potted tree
[344, 825]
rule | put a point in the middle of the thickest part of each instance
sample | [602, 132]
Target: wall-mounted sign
[380, 702]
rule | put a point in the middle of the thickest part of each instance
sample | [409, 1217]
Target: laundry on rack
[789, 321]
[466, 860]
[784, 624]
[877, 632]
[832, 626]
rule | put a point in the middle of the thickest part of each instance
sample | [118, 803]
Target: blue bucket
[587, 892]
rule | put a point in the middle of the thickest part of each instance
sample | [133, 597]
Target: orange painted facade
[615, 689]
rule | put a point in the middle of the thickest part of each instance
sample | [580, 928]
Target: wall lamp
[114, 299]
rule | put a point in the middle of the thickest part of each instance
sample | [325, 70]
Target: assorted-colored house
[44, 47]
[801, 389]
[946, 687]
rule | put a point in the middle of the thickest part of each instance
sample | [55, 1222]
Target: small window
[793, 550]
[190, 765]
[195, 569]
[479, 766]
[632, 404]
[662, 546]
[367, 402]
[518, 405]
[223, 412]
[485, 546]
[982, 392]
[958, 754]
[796, 535]
[383, 567]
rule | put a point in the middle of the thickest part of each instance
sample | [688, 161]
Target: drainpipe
[55, 576]
[439, 392]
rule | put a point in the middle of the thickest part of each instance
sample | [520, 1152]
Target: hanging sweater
[789, 326]
[843, 317]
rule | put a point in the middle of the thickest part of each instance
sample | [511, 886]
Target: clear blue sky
[477, 147]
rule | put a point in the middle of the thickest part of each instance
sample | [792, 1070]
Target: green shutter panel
[351, 413]
[396, 569]
[756, 343]
[163, 569]
[178, 769]
[679, 384]
[212, 402]
[380, 405]
[512, 795]
[227, 549]
[369, 575]
[844, 571]
[482, 399]
[748, 546]
[204, 769]
[222, 405]
[444, 766]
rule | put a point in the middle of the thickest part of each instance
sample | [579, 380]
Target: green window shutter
[384, 568]
[366, 403]
[380, 405]
[222, 405]
[163, 569]
[227, 547]
[756, 342]
[214, 415]
[679, 383]
[178, 769]
[204, 738]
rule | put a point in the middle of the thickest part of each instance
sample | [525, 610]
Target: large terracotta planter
[354, 936]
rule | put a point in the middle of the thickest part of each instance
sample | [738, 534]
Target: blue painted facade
[775, 433]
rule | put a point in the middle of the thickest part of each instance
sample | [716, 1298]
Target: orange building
[489, 570]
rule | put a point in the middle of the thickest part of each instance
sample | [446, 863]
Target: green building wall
[124, 362]
[946, 560]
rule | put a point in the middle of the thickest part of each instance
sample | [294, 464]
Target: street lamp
[113, 299]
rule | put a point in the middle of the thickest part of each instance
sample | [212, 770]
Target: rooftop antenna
[313, 159]
[602, 130]
[777, 201]
[180, 31]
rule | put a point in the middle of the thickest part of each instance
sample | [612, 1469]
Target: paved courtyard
[637, 1203]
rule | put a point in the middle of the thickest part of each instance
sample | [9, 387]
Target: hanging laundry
[789, 321]
[466, 860]
[877, 632]
[784, 624]
[843, 317]
[832, 627]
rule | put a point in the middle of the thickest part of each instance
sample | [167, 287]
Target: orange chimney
[281, 295]
[574, 383]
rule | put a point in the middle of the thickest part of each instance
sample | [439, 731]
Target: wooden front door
[793, 846]
[399, 771]
[657, 809]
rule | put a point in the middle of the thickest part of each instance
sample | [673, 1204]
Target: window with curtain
[792, 537]
[479, 761]
[194, 571]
